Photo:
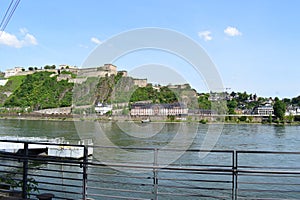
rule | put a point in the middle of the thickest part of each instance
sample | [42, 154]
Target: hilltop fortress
[82, 73]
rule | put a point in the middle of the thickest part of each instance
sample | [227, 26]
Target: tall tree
[232, 105]
[279, 109]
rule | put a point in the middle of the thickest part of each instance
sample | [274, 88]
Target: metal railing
[219, 175]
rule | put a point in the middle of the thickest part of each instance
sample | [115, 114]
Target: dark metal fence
[218, 175]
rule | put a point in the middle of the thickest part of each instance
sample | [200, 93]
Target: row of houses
[180, 109]
[267, 110]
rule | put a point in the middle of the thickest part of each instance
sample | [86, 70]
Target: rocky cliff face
[109, 89]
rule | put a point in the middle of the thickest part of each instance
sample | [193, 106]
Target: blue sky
[254, 44]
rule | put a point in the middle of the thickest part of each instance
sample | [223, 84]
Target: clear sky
[255, 44]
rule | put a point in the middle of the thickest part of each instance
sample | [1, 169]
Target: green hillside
[11, 86]
[39, 91]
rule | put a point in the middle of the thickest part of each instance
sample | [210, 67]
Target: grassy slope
[12, 85]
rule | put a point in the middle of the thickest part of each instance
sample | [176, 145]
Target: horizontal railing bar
[151, 166]
[10, 172]
[193, 172]
[268, 172]
[53, 160]
[202, 165]
[12, 157]
[58, 191]
[45, 159]
[195, 180]
[7, 158]
[118, 190]
[269, 183]
[194, 187]
[64, 198]
[190, 170]
[117, 182]
[271, 175]
[115, 197]
[107, 163]
[258, 198]
[121, 165]
[56, 170]
[164, 149]
[266, 152]
[118, 175]
[4, 190]
[267, 167]
[57, 164]
[194, 169]
[59, 184]
[126, 162]
[55, 177]
[192, 195]
[274, 191]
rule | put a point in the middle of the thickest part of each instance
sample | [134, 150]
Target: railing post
[84, 174]
[25, 171]
[233, 175]
[236, 175]
[155, 178]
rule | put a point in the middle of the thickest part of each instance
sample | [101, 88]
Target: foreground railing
[111, 174]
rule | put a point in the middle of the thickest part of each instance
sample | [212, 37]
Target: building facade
[13, 72]
[173, 109]
[264, 110]
[106, 70]
[140, 82]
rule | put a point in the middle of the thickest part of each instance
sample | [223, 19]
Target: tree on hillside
[279, 109]
[242, 96]
[203, 101]
[49, 67]
[296, 100]
[232, 105]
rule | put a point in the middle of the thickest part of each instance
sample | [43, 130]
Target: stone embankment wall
[55, 111]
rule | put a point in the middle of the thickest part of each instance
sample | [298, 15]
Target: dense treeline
[41, 91]
[164, 95]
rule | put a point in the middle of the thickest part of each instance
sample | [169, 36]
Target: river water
[170, 135]
[236, 136]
